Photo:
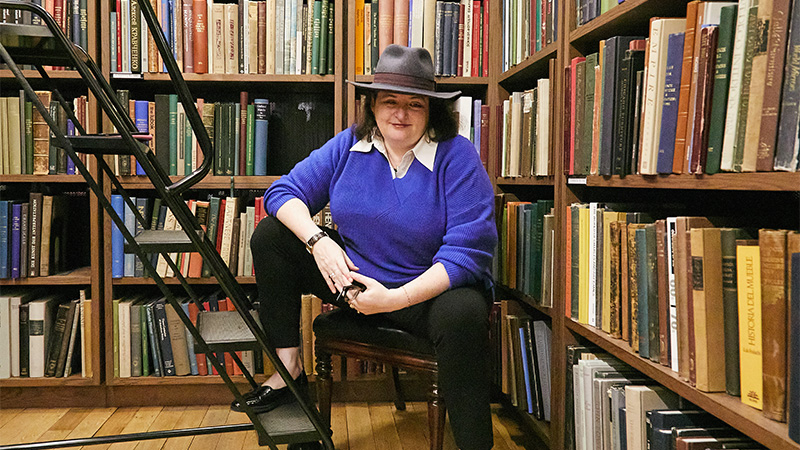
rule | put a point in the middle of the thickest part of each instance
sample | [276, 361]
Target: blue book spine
[786, 157]
[669, 112]
[165, 23]
[16, 218]
[447, 38]
[410, 22]
[173, 134]
[523, 345]
[76, 22]
[140, 112]
[454, 37]
[643, 314]
[4, 238]
[260, 138]
[190, 343]
[476, 125]
[794, 351]
[117, 241]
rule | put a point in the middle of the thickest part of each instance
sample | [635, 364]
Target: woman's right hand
[333, 264]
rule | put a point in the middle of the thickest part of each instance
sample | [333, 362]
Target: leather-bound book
[772, 249]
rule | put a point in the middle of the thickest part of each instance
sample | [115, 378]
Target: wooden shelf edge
[757, 181]
[527, 299]
[614, 13]
[773, 435]
[209, 182]
[71, 381]
[43, 179]
[139, 281]
[231, 78]
[545, 53]
[80, 276]
[526, 181]
[6, 74]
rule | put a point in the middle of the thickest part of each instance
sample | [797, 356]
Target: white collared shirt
[424, 151]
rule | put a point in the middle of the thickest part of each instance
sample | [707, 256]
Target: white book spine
[735, 87]
[126, 35]
[15, 367]
[5, 337]
[672, 229]
[417, 23]
[543, 128]
[124, 324]
[594, 236]
[298, 67]
[248, 255]
[280, 21]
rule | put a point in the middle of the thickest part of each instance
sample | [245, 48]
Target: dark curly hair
[442, 119]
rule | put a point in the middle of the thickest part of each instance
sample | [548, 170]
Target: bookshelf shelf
[726, 407]
[72, 381]
[77, 277]
[6, 74]
[43, 179]
[534, 65]
[136, 281]
[539, 428]
[760, 181]
[528, 300]
[209, 182]
[628, 18]
[525, 181]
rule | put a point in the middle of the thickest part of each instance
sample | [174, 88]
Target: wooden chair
[345, 333]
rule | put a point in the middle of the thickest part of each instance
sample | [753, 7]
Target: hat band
[408, 81]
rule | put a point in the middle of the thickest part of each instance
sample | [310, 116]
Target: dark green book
[543, 207]
[231, 138]
[374, 38]
[315, 33]
[188, 147]
[173, 134]
[136, 339]
[330, 37]
[250, 141]
[642, 305]
[575, 250]
[719, 96]
[588, 114]
[144, 344]
[162, 131]
[220, 142]
[211, 228]
[124, 163]
[730, 305]
[323, 38]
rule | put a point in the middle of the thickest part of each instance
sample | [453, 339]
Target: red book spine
[461, 13]
[532, 24]
[200, 36]
[566, 117]
[262, 37]
[119, 36]
[220, 223]
[498, 113]
[485, 62]
[202, 366]
[476, 39]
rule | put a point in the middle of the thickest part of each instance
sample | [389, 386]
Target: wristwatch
[313, 240]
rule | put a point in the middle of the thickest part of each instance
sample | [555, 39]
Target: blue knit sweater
[395, 229]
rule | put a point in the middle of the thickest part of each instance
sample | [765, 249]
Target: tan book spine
[772, 249]
[686, 87]
[217, 37]
[385, 24]
[624, 290]
[708, 309]
[41, 137]
[614, 284]
[177, 337]
[633, 283]
[752, 133]
[47, 219]
[663, 292]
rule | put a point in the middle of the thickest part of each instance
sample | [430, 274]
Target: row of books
[690, 99]
[526, 133]
[522, 348]
[248, 37]
[687, 295]
[238, 131]
[455, 33]
[611, 406]
[588, 10]
[525, 253]
[228, 223]
[44, 334]
[528, 26]
[39, 236]
[70, 15]
[27, 146]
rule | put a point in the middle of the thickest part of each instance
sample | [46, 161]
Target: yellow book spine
[359, 37]
[583, 267]
[748, 279]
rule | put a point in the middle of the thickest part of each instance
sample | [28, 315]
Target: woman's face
[402, 118]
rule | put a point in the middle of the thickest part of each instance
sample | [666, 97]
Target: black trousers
[456, 322]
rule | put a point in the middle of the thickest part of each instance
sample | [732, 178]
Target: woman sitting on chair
[415, 214]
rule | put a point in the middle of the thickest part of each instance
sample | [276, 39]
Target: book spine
[735, 86]
[730, 311]
[669, 114]
[117, 240]
[786, 155]
[699, 142]
[748, 279]
[719, 99]
[686, 87]
[163, 337]
[794, 380]
[772, 249]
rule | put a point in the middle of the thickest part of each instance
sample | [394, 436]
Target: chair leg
[436, 414]
[399, 398]
[324, 385]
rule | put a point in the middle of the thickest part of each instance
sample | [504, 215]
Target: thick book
[260, 140]
[732, 114]
[669, 113]
[117, 240]
[163, 337]
[719, 97]
[702, 105]
[177, 339]
[661, 422]
[41, 137]
[772, 249]
[730, 304]
[639, 400]
[55, 341]
[794, 351]
[786, 149]
[748, 278]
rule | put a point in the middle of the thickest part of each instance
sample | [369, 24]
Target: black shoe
[265, 398]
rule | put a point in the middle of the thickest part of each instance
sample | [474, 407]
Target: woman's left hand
[376, 298]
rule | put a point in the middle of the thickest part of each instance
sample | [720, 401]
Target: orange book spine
[200, 38]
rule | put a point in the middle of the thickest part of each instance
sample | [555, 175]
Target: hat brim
[405, 90]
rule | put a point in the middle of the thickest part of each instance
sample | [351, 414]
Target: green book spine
[188, 148]
[29, 138]
[323, 38]
[652, 293]
[730, 309]
[330, 39]
[173, 134]
[211, 228]
[219, 141]
[315, 43]
[231, 138]
[722, 76]
[643, 306]
[144, 342]
[251, 130]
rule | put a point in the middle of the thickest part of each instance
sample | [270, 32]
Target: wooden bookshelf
[748, 420]
[761, 181]
[139, 281]
[77, 277]
[209, 182]
[525, 181]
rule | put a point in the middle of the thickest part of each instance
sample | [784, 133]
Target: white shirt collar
[424, 152]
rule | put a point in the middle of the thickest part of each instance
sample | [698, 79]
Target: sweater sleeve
[311, 178]
[471, 235]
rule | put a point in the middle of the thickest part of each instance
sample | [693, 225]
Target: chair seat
[341, 324]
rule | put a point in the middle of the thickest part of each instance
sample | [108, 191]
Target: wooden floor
[356, 426]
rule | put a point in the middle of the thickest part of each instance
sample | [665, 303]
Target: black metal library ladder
[43, 43]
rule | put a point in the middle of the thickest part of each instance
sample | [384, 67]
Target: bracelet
[408, 298]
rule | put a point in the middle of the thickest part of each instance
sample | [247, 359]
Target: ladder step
[105, 144]
[157, 241]
[225, 331]
[288, 424]
[33, 44]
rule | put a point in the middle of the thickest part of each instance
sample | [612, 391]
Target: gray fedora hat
[407, 70]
